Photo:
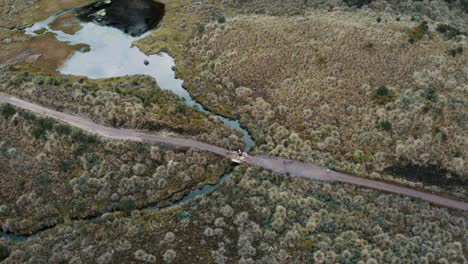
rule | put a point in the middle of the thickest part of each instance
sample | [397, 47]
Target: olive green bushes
[259, 217]
[312, 88]
[51, 173]
[132, 102]
[455, 12]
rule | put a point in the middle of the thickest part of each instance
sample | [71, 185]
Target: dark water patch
[431, 174]
[12, 237]
[134, 17]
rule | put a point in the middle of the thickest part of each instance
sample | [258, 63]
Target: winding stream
[112, 54]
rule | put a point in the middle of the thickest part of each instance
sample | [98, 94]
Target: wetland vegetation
[391, 105]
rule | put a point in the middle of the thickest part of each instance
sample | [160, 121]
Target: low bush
[417, 33]
[7, 111]
[383, 95]
[384, 125]
[449, 31]
[4, 252]
[455, 51]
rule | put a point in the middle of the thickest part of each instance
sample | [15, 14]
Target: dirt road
[291, 167]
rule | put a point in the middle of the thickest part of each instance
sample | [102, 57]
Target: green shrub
[4, 252]
[383, 95]
[38, 133]
[440, 133]
[380, 221]
[42, 125]
[369, 45]
[384, 125]
[42, 179]
[62, 129]
[183, 214]
[382, 91]
[46, 123]
[66, 165]
[7, 111]
[456, 51]
[221, 19]
[430, 95]
[92, 161]
[326, 225]
[20, 78]
[80, 136]
[417, 33]
[181, 108]
[29, 116]
[54, 81]
[127, 205]
[449, 31]
[80, 150]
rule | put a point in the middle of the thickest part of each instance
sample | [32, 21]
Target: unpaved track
[296, 168]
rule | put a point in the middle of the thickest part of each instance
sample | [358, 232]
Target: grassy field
[132, 102]
[377, 91]
[257, 217]
[340, 89]
[361, 91]
[43, 53]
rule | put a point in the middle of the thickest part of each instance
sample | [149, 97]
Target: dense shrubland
[258, 217]
[369, 93]
[360, 91]
[381, 101]
[455, 12]
[51, 172]
[133, 102]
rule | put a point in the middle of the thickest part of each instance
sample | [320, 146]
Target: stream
[112, 54]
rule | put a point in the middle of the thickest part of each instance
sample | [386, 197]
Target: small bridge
[240, 158]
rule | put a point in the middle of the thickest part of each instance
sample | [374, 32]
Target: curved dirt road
[296, 168]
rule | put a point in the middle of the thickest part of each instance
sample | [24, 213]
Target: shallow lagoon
[112, 54]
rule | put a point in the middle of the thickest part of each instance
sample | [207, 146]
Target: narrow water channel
[112, 54]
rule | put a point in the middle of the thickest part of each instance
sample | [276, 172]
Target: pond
[133, 17]
[112, 54]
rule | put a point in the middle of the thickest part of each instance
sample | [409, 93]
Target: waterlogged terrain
[395, 94]
[112, 54]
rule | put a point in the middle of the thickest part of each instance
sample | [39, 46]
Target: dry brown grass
[317, 76]
[68, 23]
[43, 53]
[22, 13]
